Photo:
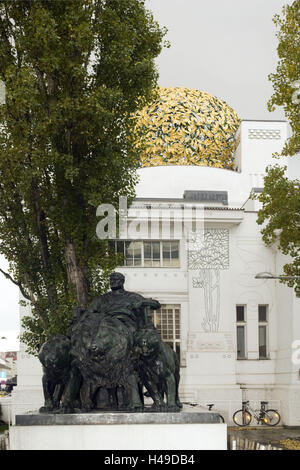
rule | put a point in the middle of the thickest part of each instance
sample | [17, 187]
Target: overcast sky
[224, 47]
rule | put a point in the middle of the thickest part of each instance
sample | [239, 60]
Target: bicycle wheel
[271, 417]
[242, 418]
[222, 420]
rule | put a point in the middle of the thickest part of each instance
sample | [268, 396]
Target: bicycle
[210, 406]
[243, 417]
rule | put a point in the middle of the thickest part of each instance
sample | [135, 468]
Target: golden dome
[187, 127]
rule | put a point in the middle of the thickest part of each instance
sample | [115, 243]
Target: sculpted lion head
[147, 342]
[55, 353]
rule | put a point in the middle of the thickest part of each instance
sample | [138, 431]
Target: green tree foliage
[288, 71]
[281, 210]
[75, 72]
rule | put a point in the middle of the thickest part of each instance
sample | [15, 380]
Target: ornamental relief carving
[209, 249]
[208, 254]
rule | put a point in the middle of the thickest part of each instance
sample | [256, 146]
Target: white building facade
[197, 249]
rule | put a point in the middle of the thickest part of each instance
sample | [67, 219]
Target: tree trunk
[40, 220]
[76, 274]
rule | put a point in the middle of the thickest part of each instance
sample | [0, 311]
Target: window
[167, 321]
[263, 331]
[241, 331]
[133, 253]
[170, 254]
[147, 253]
[152, 254]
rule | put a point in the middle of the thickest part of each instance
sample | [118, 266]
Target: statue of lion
[110, 347]
[158, 369]
[101, 349]
[56, 361]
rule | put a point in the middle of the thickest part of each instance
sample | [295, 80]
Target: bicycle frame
[243, 417]
[257, 414]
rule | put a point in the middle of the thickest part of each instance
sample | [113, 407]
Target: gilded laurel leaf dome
[187, 127]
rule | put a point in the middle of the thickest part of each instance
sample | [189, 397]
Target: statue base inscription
[119, 431]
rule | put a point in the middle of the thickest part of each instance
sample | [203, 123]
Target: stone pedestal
[119, 431]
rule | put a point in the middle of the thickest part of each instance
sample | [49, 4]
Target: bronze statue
[158, 369]
[102, 355]
[56, 361]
